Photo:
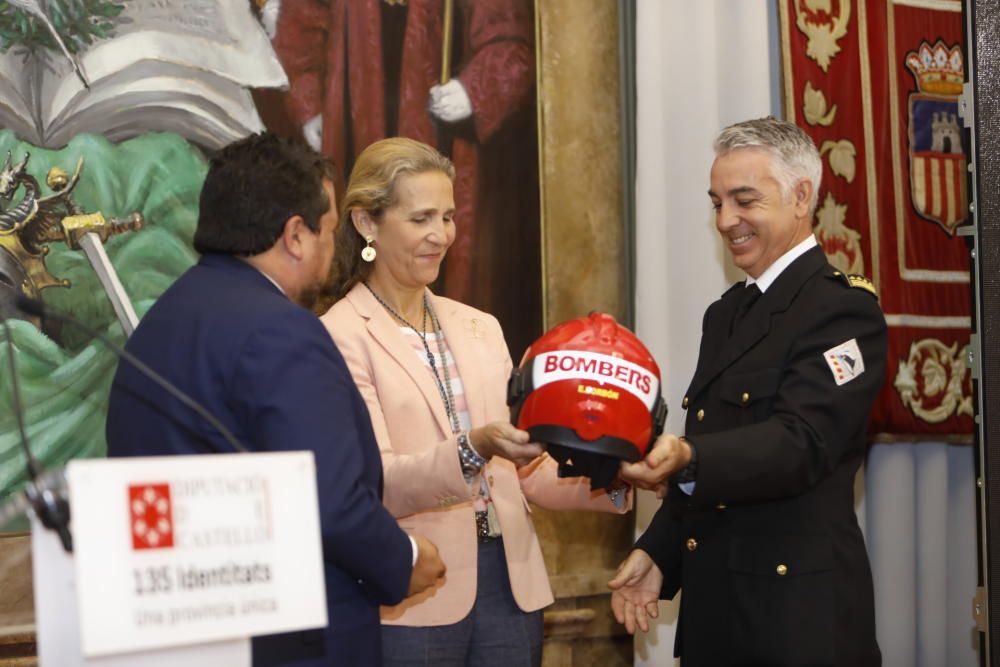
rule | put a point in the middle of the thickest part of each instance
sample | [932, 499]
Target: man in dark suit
[235, 333]
[758, 527]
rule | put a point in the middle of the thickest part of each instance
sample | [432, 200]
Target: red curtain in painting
[876, 84]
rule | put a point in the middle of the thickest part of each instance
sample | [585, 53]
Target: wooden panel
[583, 234]
[17, 609]
[584, 269]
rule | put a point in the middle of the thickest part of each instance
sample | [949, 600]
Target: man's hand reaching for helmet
[670, 454]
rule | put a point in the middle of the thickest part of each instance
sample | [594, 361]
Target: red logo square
[151, 516]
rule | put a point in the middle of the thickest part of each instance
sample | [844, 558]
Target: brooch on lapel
[475, 327]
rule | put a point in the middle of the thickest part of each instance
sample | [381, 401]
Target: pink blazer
[424, 487]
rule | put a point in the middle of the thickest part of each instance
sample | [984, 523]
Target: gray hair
[793, 152]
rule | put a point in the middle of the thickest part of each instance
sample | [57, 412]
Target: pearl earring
[368, 252]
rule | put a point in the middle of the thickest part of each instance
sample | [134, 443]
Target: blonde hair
[372, 188]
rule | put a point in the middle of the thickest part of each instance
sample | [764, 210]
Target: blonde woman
[433, 373]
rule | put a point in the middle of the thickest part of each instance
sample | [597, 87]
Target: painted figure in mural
[758, 527]
[202, 55]
[235, 333]
[433, 373]
[367, 69]
[29, 225]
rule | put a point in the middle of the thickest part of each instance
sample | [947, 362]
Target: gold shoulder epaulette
[857, 280]
[862, 282]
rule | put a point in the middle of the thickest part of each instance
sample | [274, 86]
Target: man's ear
[293, 237]
[363, 223]
[803, 196]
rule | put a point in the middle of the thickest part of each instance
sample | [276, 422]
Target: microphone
[38, 309]
[45, 497]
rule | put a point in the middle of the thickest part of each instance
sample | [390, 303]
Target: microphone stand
[47, 501]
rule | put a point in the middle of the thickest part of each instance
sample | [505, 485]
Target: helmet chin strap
[599, 468]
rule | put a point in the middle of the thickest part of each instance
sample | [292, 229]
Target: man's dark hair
[253, 187]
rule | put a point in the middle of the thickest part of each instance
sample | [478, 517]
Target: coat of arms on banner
[937, 157]
[895, 175]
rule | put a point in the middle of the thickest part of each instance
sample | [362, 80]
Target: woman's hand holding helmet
[501, 439]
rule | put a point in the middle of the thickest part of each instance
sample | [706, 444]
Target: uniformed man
[758, 525]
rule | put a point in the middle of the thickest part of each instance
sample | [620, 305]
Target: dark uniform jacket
[268, 370]
[767, 549]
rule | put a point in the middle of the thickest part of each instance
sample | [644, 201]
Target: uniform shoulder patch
[855, 280]
[845, 361]
[862, 282]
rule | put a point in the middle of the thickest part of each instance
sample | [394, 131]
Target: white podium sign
[181, 550]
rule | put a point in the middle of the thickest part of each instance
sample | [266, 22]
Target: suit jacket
[768, 550]
[267, 369]
[424, 486]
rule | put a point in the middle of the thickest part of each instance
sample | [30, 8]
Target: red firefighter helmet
[590, 390]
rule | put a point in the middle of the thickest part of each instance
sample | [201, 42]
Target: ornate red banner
[876, 85]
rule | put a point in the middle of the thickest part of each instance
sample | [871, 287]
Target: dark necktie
[748, 297]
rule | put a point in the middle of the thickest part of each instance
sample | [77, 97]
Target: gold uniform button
[782, 570]
[700, 415]
[692, 544]
[684, 403]
[720, 506]
[745, 397]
